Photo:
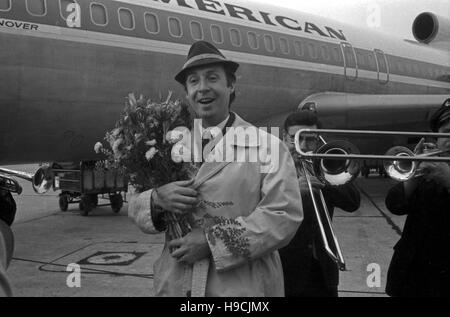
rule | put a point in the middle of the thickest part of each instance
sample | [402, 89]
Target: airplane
[67, 66]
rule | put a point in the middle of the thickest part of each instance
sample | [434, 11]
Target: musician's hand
[177, 197]
[316, 184]
[419, 147]
[424, 147]
[191, 248]
[436, 171]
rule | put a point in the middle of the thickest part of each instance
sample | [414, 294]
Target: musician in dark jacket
[308, 270]
[420, 265]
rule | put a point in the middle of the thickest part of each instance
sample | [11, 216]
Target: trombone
[336, 163]
[327, 235]
[331, 153]
[41, 181]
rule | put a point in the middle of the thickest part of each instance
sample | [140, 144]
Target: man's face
[308, 143]
[444, 143]
[208, 93]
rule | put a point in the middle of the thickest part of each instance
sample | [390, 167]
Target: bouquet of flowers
[141, 146]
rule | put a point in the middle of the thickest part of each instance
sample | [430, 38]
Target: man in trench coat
[255, 206]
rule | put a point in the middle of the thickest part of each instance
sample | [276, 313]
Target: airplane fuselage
[66, 67]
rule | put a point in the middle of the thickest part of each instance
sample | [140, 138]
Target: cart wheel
[63, 202]
[94, 199]
[116, 201]
[85, 205]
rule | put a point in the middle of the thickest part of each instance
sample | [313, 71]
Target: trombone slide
[325, 227]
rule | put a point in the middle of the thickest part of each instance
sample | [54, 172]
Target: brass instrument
[404, 170]
[332, 172]
[327, 235]
[336, 163]
[394, 158]
[41, 181]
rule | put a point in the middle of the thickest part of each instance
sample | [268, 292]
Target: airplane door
[382, 66]
[350, 61]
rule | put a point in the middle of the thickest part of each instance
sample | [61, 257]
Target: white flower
[132, 99]
[150, 153]
[180, 153]
[116, 149]
[116, 132]
[97, 147]
[151, 142]
[176, 135]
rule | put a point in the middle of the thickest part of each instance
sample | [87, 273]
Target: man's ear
[232, 87]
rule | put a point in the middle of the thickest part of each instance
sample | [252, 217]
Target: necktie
[208, 137]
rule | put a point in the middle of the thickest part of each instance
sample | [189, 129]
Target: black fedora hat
[440, 116]
[204, 53]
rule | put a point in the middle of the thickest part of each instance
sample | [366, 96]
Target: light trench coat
[266, 206]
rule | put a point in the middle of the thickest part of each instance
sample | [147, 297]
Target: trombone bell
[400, 170]
[336, 172]
[41, 181]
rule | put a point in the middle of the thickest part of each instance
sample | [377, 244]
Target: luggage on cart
[82, 183]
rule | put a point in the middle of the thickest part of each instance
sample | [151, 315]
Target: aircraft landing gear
[8, 207]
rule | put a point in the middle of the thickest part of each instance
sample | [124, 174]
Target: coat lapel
[210, 169]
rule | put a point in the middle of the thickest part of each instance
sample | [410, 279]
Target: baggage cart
[81, 183]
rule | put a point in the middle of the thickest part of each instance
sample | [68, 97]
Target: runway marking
[111, 258]
[124, 259]
[85, 270]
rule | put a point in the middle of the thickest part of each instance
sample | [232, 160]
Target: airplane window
[196, 30]
[400, 67]
[429, 70]
[416, 69]
[36, 7]
[437, 73]
[268, 43]
[98, 14]
[324, 52]
[175, 27]
[336, 52]
[253, 40]
[235, 37]
[5, 5]
[361, 58]
[298, 47]
[312, 50]
[63, 4]
[126, 19]
[409, 69]
[151, 22]
[284, 44]
[216, 33]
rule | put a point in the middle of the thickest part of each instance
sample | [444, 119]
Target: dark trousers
[315, 285]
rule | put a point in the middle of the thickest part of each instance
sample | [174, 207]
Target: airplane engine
[429, 28]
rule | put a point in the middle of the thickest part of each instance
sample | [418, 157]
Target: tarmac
[116, 258]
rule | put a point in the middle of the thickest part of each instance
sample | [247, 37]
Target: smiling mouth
[206, 101]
